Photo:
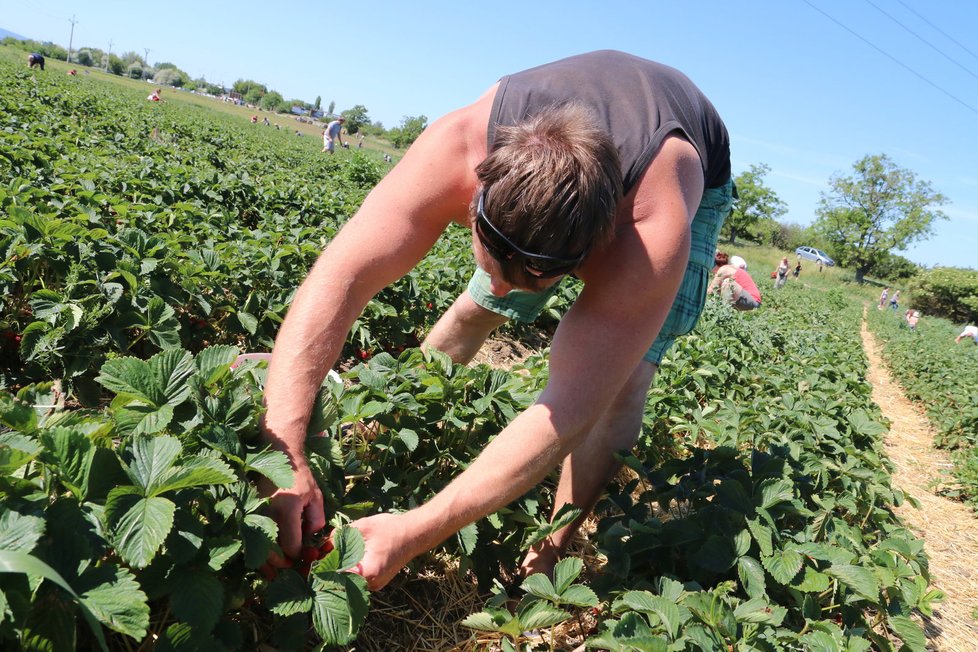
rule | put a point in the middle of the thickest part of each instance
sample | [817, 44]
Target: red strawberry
[326, 548]
[308, 556]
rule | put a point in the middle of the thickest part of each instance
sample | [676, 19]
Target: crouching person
[734, 284]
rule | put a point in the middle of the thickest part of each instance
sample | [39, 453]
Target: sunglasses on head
[502, 248]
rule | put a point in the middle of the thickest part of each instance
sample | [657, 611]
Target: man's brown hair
[552, 184]
[721, 258]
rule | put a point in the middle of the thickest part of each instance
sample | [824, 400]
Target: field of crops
[943, 377]
[144, 246]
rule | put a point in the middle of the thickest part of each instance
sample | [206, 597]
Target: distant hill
[5, 33]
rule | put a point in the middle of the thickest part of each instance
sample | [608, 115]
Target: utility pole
[146, 56]
[71, 38]
[108, 56]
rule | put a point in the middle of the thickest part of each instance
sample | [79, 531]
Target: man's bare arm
[396, 225]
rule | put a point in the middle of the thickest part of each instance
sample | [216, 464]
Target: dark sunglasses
[502, 249]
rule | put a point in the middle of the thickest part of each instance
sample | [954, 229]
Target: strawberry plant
[145, 517]
[943, 377]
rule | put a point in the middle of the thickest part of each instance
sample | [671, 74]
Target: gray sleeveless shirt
[638, 102]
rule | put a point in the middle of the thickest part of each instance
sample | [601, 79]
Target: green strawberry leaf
[783, 565]
[565, 572]
[274, 465]
[861, 580]
[340, 606]
[289, 594]
[214, 361]
[115, 599]
[20, 532]
[193, 472]
[196, 597]
[138, 526]
[541, 614]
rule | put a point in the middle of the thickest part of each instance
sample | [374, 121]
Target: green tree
[208, 87]
[115, 65]
[332, 107]
[169, 77]
[947, 292]
[895, 267]
[84, 57]
[132, 57]
[881, 207]
[271, 101]
[317, 104]
[355, 118]
[251, 91]
[756, 202]
[408, 131]
[782, 235]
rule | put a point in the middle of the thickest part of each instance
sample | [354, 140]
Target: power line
[893, 59]
[946, 35]
[921, 38]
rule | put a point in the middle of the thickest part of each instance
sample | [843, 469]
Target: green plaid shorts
[686, 308]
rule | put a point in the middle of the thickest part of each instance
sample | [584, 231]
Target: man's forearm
[513, 463]
[308, 344]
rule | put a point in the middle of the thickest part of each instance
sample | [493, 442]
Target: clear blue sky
[807, 87]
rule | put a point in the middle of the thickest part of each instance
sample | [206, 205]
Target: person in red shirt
[736, 286]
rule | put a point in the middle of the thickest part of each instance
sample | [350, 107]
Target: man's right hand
[297, 510]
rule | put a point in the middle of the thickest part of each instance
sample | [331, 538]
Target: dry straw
[948, 527]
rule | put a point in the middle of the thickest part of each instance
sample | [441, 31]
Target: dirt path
[948, 528]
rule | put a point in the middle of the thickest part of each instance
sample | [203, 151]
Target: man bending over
[604, 165]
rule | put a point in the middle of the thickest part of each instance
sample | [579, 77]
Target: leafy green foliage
[408, 131]
[947, 292]
[943, 377]
[142, 248]
[755, 203]
[881, 207]
[761, 485]
[120, 517]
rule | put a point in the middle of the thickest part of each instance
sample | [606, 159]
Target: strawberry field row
[943, 377]
[130, 228]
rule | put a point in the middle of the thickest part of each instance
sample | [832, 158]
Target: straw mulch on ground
[948, 527]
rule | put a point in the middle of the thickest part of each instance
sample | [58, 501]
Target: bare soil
[948, 527]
